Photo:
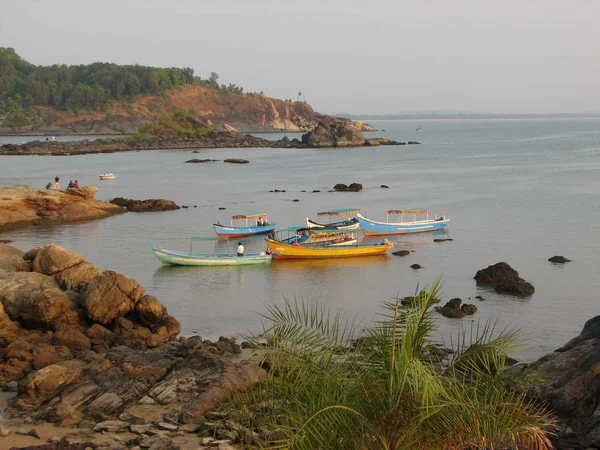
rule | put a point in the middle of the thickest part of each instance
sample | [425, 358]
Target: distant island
[465, 116]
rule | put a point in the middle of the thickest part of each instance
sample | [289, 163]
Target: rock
[228, 345]
[24, 205]
[164, 443]
[71, 338]
[571, 387]
[100, 335]
[167, 426]
[401, 253]
[47, 382]
[384, 186]
[334, 132]
[453, 309]
[199, 161]
[442, 239]
[505, 280]
[416, 266]
[32, 298]
[52, 258]
[11, 258]
[236, 161]
[150, 311]
[112, 426]
[75, 277]
[413, 142]
[111, 295]
[145, 205]
[372, 143]
[354, 187]
[559, 259]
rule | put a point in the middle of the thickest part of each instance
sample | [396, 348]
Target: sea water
[518, 191]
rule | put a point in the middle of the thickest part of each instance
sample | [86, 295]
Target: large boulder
[151, 312]
[335, 133]
[11, 258]
[505, 279]
[76, 276]
[111, 295]
[32, 298]
[53, 258]
[47, 382]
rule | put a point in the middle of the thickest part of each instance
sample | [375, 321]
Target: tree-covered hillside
[30, 94]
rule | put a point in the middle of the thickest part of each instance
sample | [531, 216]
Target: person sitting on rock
[49, 185]
[70, 186]
[76, 184]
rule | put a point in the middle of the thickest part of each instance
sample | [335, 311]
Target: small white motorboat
[107, 176]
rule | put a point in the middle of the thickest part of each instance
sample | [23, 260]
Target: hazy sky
[376, 56]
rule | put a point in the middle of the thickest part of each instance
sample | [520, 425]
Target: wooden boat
[173, 257]
[374, 228]
[107, 176]
[261, 225]
[350, 223]
[320, 236]
[282, 250]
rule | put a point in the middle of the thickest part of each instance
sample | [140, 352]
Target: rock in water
[559, 259]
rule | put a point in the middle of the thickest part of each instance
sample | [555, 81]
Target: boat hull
[281, 250]
[344, 225]
[375, 228]
[236, 232]
[171, 257]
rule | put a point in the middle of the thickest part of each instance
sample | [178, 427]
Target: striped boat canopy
[339, 212]
[407, 211]
[254, 215]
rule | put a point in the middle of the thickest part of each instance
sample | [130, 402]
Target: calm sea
[518, 191]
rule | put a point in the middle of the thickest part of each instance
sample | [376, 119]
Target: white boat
[107, 176]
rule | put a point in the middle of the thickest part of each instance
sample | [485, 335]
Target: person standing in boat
[240, 250]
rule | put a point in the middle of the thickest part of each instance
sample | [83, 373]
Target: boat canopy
[339, 212]
[254, 215]
[408, 211]
[292, 229]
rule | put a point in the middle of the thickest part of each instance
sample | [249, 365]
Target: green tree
[384, 391]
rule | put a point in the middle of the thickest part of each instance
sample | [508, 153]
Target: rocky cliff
[221, 110]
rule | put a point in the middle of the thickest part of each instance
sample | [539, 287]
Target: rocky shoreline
[94, 361]
[330, 133]
[91, 350]
[24, 205]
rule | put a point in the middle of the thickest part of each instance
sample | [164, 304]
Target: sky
[344, 56]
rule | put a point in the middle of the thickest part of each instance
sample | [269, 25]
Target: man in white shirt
[240, 250]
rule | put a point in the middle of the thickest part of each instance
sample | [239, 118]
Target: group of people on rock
[56, 184]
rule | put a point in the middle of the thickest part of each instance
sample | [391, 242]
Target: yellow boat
[281, 250]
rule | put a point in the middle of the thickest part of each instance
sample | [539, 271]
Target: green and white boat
[178, 258]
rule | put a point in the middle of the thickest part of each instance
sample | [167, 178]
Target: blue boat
[255, 223]
[408, 222]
